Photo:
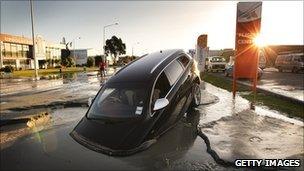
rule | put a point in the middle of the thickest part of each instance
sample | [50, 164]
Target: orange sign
[202, 41]
[247, 53]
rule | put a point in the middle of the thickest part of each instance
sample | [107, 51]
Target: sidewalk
[236, 132]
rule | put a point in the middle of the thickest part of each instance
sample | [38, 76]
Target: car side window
[183, 60]
[161, 89]
[173, 71]
[166, 80]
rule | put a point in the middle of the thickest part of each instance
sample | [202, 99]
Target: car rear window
[184, 60]
[173, 71]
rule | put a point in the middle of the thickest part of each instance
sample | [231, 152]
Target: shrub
[90, 62]
[8, 68]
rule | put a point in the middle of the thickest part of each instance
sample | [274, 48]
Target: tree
[49, 62]
[97, 60]
[57, 61]
[90, 62]
[115, 47]
[226, 53]
[67, 61]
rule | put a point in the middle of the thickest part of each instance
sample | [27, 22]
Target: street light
[74, 46]
[104, 32]
[33, 38]
[133, 46]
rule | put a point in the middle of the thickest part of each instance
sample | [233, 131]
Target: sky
[149, 26]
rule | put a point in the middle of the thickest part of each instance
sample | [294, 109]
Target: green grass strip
[271, 101]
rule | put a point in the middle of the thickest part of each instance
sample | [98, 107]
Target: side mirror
[160, 103]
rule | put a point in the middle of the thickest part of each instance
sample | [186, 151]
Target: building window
[19, 51]
[9, 62]
[2, 49]
[14, 50]
[25, 51]
[7, 50]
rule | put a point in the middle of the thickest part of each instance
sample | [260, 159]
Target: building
[81, 55]
[17, 52]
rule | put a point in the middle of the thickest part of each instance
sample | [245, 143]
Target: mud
[238, 132]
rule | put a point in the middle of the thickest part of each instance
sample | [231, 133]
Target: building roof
[15, 39]
[27, 41]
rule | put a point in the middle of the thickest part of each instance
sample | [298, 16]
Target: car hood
[113, 138]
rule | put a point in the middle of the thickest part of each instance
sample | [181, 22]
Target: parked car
[139, 103]
[215, 63]
[229, 71]
[293, 62]
[262, 60]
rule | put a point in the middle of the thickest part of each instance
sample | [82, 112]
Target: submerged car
[229, 71]
[139, 103]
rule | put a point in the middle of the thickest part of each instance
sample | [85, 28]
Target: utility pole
[33, 38]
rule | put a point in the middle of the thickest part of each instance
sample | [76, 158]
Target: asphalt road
[271, 77]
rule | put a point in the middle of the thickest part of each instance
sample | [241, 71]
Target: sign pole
[248, 26]
[33, 38]
[201, 52]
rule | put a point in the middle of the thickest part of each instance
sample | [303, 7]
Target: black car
[139, 103]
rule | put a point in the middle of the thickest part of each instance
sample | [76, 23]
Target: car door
[171, 74]
[185, 89]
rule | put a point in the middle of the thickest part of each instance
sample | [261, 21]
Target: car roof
[145, 68]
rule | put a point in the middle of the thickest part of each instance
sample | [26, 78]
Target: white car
[215, 63]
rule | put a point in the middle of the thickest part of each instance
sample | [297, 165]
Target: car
[290, 61]
[215, 63]
[139, 103]
[229, 71]
[262, 60]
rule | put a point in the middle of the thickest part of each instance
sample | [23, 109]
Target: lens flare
[259, 41]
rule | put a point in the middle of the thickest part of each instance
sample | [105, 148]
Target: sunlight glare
[259, 41]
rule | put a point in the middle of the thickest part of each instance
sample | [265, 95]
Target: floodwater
[234, 131]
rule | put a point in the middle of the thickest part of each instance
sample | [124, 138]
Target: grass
[42, 72]
[271, 101]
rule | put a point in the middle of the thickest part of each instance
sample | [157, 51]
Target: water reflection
[170, 147]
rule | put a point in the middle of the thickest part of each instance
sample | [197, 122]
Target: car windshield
[118, 102]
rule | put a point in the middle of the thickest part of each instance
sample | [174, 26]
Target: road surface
[234, 131]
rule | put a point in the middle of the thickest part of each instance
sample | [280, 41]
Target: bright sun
[259, 41]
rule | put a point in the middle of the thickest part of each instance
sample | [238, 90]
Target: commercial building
[17, 52]
[81, 55]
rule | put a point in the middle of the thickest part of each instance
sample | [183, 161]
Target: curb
[74, 103]
[4, 122]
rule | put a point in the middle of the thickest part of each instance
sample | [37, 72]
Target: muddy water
[50, 146]
[20, 94]
[233, 130]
